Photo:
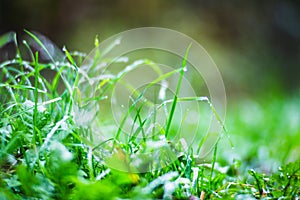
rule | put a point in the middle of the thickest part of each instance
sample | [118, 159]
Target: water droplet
[52, 67]
[162, 137]
[118, 41]
[56, 63]
[185, 69]
[18, 79]
[122, 59]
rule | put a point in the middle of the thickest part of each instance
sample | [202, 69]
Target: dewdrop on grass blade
[185, 69]
[162, 91]
[52, 66]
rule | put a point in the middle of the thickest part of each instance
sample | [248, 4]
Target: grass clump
[46, 154]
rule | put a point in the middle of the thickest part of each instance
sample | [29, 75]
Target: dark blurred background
[256, 44]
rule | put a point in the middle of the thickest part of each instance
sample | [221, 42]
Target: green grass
[46, 154]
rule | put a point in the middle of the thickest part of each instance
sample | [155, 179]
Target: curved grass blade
[183, 66]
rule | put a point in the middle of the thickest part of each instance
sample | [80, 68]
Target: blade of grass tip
[36, 85]
[213, 163]
[105, 51]
[55, 81]
[100, 55]
[37, 40]
[97, 44]
[18, 53]
[29, 50]
[70, 58]
[183, 66]
[70, 85]
[220, 122]
[41, 68]
[96, 56]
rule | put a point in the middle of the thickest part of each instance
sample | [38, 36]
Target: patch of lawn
[46, 154]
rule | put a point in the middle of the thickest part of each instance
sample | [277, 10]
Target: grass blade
[183, 66]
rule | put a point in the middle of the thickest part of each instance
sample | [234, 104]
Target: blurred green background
[255, 44]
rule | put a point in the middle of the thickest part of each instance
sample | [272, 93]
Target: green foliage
[282, 184]
[46, 155]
